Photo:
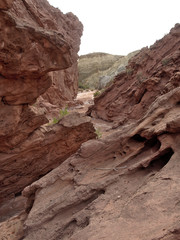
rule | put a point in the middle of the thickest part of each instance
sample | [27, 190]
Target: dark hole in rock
[17, 194]
[158, 163]
[85, 223]
[138, 138]
[95, 196]
[68, 230]
[102, 191]
[142, 95]
[178, 103]
[153, 143]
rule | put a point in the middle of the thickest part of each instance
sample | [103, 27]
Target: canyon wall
[57, 182]
[125, 186]
[151, 73]
[39, 46]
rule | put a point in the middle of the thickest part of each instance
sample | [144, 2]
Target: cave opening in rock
[138, 138]
[17, 194]
[158, 163]
[153, 143]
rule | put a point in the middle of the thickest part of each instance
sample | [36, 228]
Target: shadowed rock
[36, 39]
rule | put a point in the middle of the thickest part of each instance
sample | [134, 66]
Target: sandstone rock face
[96, 70]
[5, 4]
[125, 186]
[36, 39]
[150, 74]
[41, 152]
[64, 87]
[65, 83]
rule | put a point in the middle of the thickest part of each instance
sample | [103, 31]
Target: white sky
[121, 26]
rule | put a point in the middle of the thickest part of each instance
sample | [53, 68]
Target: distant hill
[96, 70]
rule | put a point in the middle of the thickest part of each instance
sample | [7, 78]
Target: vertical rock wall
[39, 45]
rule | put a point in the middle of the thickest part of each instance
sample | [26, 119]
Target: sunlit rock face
[36, 40]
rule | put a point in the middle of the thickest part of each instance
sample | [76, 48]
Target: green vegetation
[62, 113]
[98, 133]
[97, 93]
[55, 120]
[83, 86]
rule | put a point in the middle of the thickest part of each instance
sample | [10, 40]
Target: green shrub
[97, 93]
[98, 134]
[62, 113]
[55, 120]
[83, 86]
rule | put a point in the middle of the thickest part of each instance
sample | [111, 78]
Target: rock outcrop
[64, 87]
[152, 73]
[96, 70]
[36, 39]
[125, 186]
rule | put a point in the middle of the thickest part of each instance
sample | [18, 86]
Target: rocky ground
[103, 128]
[61, 180]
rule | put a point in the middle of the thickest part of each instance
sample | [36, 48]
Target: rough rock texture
[36, 39]
[150, 74]
[65, 83]
[64, 87]
[96, 70]
[42, 151]
[127, 185]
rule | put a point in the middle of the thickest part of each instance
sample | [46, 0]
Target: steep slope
[96, 70]
[127, 185]
[36, 39]
[151, 73]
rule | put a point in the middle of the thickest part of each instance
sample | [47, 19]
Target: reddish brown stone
[151, 73]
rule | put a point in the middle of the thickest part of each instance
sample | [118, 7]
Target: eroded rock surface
[151, 73]
[36, 39]
[125, 186]
[43, 150]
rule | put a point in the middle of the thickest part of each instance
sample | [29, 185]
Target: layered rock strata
[36, 39]
[127, 185]
[151, 73]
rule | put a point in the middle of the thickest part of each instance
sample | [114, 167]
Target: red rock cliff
[36, 39]
[151, 73]
[125, 186]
